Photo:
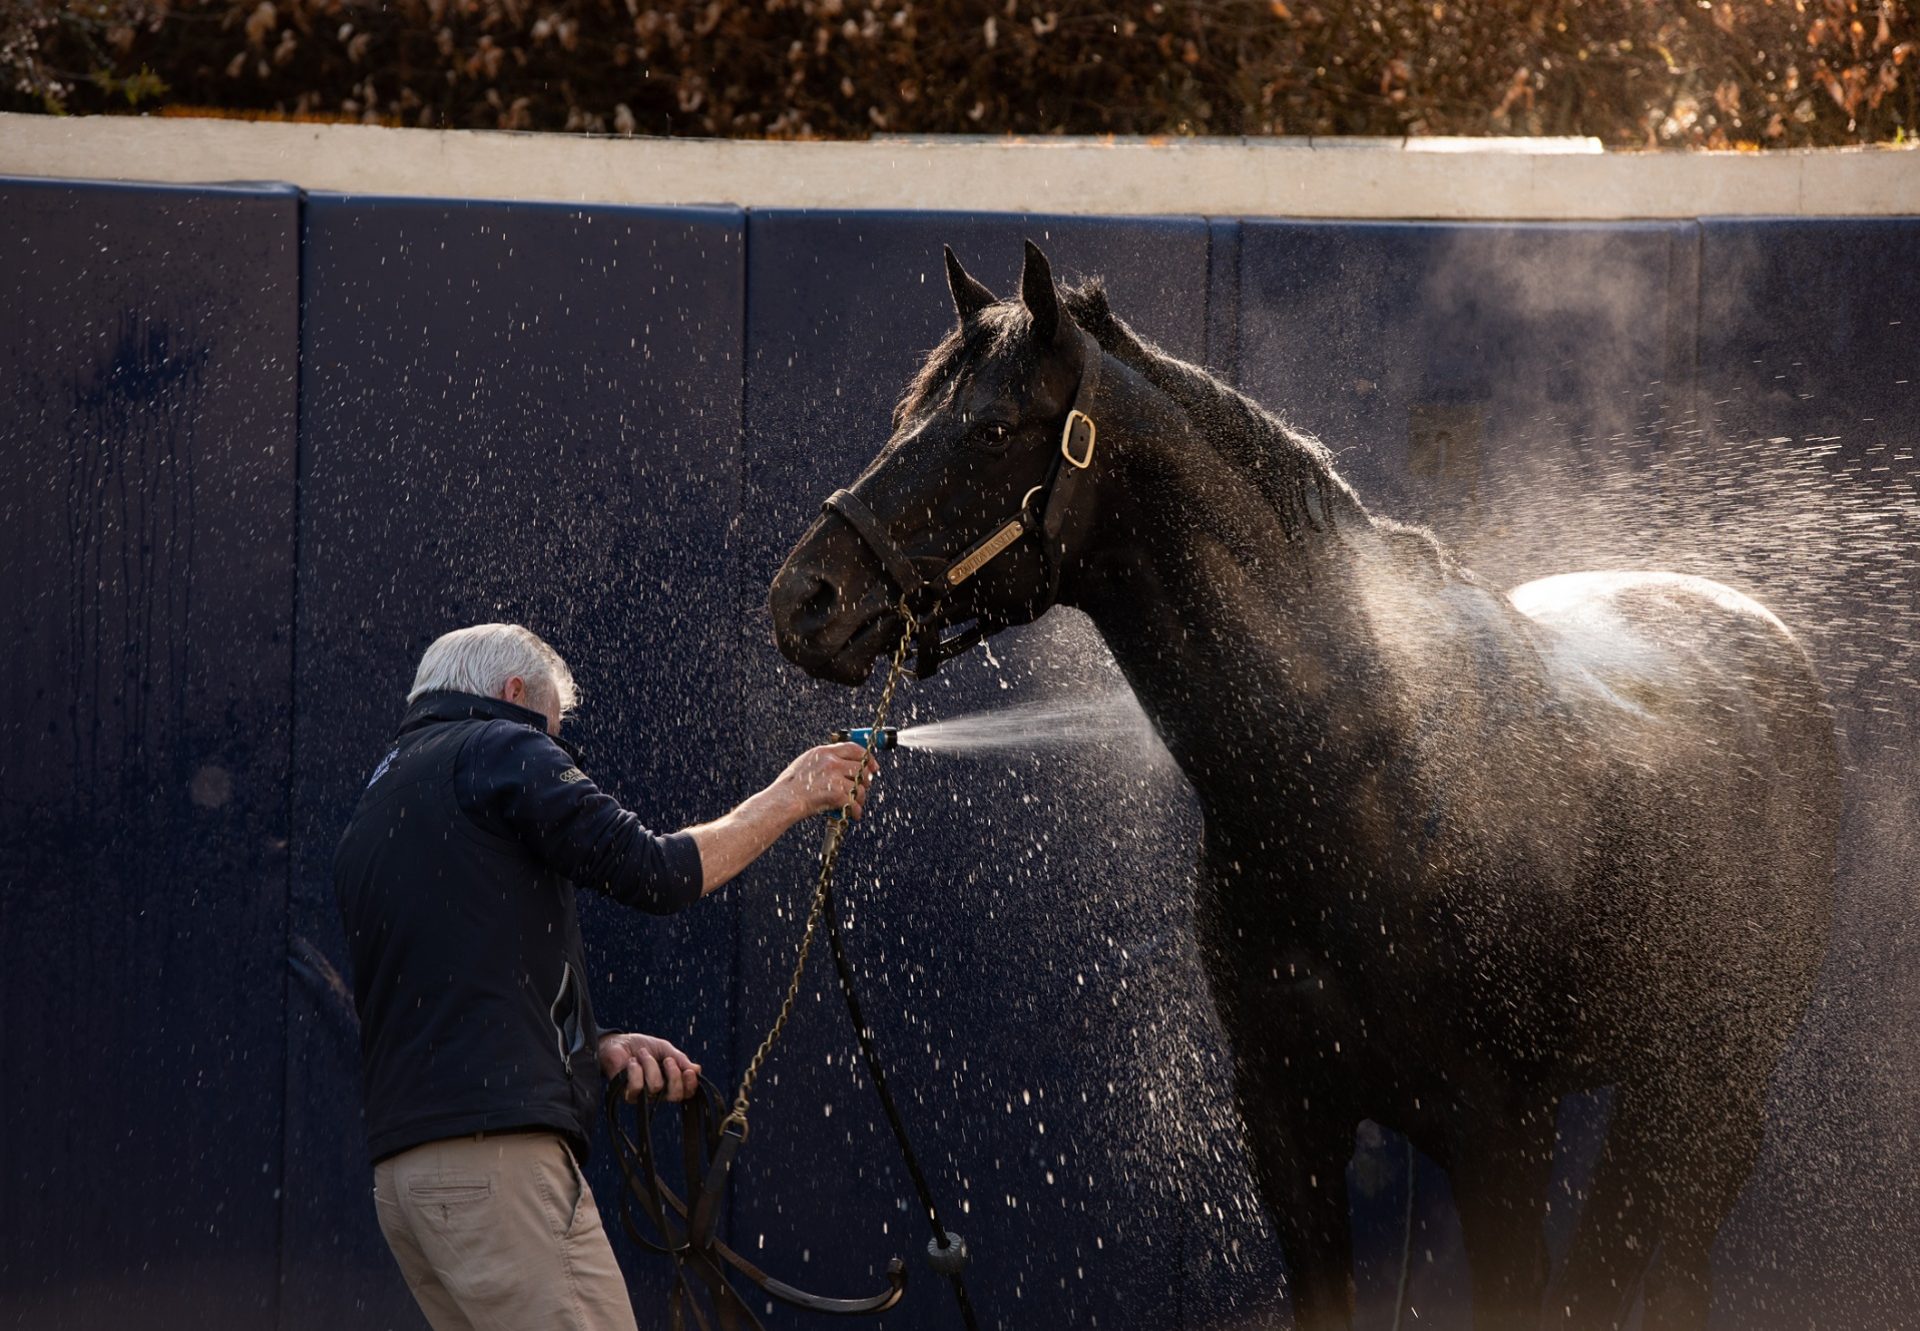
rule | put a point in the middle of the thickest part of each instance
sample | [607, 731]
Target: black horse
[1465, 851]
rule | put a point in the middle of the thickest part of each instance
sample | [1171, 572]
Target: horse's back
[1686, 678]
[1642, 636]
[1708, 716]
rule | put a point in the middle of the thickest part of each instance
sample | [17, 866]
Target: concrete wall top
[1450, 179]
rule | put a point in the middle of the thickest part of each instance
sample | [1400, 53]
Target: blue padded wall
[1809, 348]
[1447, 364]
[147, 357]
[526, 413]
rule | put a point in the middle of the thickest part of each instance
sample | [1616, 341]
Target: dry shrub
[1708, 73]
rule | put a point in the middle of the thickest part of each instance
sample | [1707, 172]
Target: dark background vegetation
[1701, 73]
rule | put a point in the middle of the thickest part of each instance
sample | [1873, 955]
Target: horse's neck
[1240, 631]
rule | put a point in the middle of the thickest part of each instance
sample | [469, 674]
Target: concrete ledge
[1440, 179]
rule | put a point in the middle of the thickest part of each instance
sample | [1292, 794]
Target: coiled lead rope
[947, 1253]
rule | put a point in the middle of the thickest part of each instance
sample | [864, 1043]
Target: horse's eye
[993, 436]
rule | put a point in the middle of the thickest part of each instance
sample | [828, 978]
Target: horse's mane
[1283, 463]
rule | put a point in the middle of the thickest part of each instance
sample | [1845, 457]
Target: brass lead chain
[830, 852]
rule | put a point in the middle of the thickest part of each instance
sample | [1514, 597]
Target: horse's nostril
[818, 603]
[804, 603]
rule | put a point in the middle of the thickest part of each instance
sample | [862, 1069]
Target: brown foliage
[1632, 72]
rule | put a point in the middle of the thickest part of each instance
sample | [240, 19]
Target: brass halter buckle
[1079, 427]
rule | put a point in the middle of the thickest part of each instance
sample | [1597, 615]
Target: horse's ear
[1038, 294]
[969, 296]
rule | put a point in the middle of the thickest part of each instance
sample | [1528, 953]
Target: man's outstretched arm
[517, 782]
[820, 780]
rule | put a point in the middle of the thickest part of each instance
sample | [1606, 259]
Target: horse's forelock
[992, 329]
[979, 337]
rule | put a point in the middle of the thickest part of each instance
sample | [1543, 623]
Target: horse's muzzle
[817, 629]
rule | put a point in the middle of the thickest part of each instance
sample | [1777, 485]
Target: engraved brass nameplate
[985, 551]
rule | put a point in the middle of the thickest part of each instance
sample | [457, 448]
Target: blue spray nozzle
[864, 736]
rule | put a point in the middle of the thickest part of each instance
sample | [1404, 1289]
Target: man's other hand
[823, 779]
[655, 1066]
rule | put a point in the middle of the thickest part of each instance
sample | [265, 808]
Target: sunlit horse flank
[1465, 852]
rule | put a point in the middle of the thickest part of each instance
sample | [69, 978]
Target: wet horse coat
[1465, 851]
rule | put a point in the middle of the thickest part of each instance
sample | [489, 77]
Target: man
[479, 1046]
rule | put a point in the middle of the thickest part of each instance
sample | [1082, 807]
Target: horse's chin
[851, 660]
[843, 671]
[853, 663]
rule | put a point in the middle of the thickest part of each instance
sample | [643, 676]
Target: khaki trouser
[500, 1233]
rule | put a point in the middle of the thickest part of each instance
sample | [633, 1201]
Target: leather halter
[1045, 518]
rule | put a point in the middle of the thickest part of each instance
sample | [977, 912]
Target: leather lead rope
[691, 1243]
[947, 1252]
[823, 887]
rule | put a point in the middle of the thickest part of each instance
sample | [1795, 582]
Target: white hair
[481, 660]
